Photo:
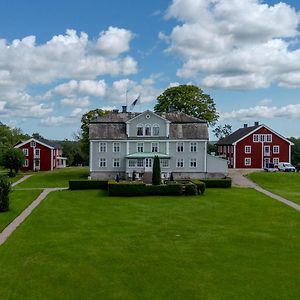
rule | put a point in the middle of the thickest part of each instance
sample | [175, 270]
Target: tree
[222, 131]
[156, 176]
[4, 193]
[13, 159]
[295, 150]
[189, 99]
[84, 134]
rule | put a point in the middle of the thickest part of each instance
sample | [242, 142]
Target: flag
[134, 103]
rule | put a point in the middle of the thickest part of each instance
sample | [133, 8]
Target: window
[140, 162]
[164, 163]
[193, 147]
[269, 138]
[193, 163]
[224, 149]
[180, 147]
[247, 161]
[37, 152]
[116, 162]
[37, 163]
[131, 163]
[116, 147]
[102, 147]
[247, 149]
[276, 149]
[155, 130]
[275, 161]
[25, 151]
[148, 130]
[154, 147]
[32, 144]
[140, 147]
[139, 129]
[262, 138]
[180, 163]
[25, 162]
[102, 162]
[255, 137]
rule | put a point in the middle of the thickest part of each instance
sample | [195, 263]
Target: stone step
[147, 177]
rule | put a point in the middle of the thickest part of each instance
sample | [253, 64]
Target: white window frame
[276, 147]
[262, 137]
[180, 163]
[157, 147]
[101, 145]
[26, 163]
[39, 152]
[268, 138]
[137, 129]
[140, 163]
[25, 151]
[164, 163]
[275, 159]
[153, 131]
[32, 144]
[193, 147]
[116, 147]
[133, 161]
[247, 161]
[248, 149]
[256, 138]
[137, 147]
[180, 147]
[145, 131]
[102, 162]
[116, 163]
[193, 163]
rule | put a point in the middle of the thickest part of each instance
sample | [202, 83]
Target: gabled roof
[242, 133]
[44, 142]
[148, 112]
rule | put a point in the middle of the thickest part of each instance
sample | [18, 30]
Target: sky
[60, 59]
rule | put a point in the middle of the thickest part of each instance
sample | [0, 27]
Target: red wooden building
[254, 147]
[41, 155]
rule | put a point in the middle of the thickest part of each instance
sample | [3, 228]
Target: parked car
[286, 167]
[297, 168]
[270, 168]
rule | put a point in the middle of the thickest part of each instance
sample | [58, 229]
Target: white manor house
[126, 142]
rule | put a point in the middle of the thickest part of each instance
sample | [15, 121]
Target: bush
[141, 189]
[88, 184]
[217, 183]
[190, 188]
[4, 193]
[200, 186]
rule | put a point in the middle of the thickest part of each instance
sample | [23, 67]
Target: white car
[286, 167]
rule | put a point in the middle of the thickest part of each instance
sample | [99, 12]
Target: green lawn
[55, 178]
[228, 244]
[286, 185]
[19, 200]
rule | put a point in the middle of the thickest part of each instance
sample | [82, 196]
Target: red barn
[41, 155]
[254, 147]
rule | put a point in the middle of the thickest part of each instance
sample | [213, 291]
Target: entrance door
[148, 164]
[266, 162]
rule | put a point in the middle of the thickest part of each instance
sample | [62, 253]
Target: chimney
[245, 125]
[256, 123]
[124, 109]
[115, 111]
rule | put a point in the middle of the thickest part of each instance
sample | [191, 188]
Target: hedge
[141, 189]
[217, 183]
[200, 186]
[190, 188]
[87, 184]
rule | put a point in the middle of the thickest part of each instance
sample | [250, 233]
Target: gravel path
[18, 220]
[21, 180]
[239, 180]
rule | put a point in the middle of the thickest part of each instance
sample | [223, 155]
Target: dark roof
[235, 136]
[53, 144]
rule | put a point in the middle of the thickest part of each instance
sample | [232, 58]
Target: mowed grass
[55, 178]
[228, 244]
[284, 184]
[19, 200]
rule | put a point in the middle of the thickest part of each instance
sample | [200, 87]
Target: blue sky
[60, 59]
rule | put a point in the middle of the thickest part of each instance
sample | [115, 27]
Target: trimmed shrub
[217, 183]
[164, 190]
[4, 193]
[190, 188]
[87, 184]
[156, 174]
[200, 186]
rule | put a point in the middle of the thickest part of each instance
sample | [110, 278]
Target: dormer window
[139, 130]
[155, 130]
[148, 130]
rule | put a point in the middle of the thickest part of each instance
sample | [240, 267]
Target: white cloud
[265, 102]
[80, 102]
[236, 44]
[260, 111]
